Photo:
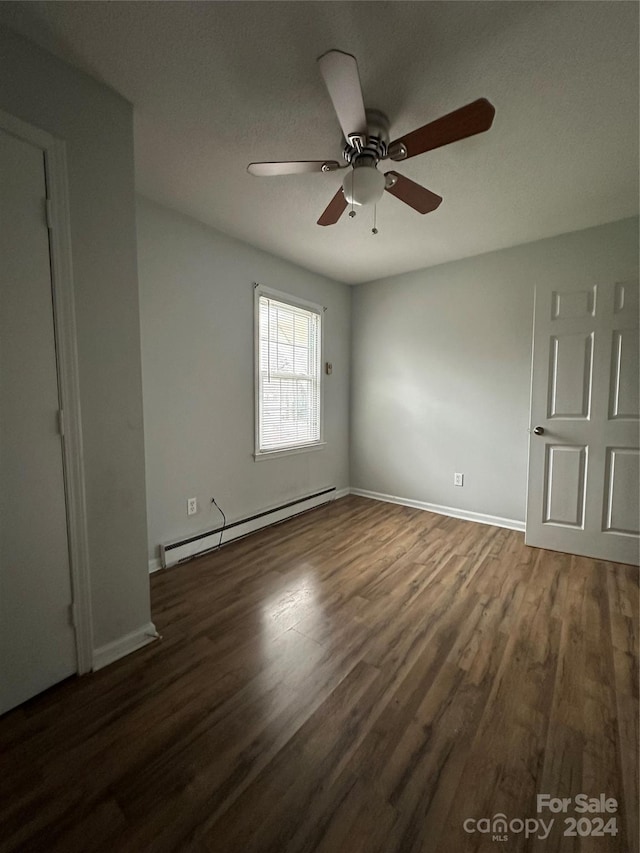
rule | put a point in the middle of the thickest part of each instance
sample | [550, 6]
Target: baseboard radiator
[193, 546]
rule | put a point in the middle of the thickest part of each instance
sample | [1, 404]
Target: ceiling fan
[366, 143]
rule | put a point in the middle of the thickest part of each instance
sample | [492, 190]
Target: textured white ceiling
[216, 85]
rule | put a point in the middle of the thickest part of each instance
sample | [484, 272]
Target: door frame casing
[55, 164]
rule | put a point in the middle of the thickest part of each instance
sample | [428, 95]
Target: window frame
[295, 302]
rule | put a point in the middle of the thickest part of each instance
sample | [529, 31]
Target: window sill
[289, 451]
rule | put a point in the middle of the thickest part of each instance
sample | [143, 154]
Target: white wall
[196, 304]
[441, 370]
[97, 126]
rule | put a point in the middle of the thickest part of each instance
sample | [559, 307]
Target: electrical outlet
[192, 506]
[458, 479]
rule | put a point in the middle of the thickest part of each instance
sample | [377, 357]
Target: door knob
[538, 430]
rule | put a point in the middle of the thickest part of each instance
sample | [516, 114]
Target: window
[288, 373]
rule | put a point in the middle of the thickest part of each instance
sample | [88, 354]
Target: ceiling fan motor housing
[374, 144]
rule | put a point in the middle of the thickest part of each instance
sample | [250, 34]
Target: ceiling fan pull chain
[374, 230]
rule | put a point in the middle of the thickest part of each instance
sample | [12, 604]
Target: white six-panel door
[584, 458]
[37, 641]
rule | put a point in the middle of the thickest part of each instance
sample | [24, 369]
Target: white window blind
[289, 375]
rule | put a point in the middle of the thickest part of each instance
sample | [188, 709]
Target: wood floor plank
[623, 609]
[363, 677]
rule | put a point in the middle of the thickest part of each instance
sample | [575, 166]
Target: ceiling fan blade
[473, 118]
[293, 167]
[416, 196]
[334, 210]
[340, 73]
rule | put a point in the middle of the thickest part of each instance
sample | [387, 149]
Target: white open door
[584, 458]
[37, 640]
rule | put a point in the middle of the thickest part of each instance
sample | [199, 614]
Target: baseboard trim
[342, 493]
[453, 512]
[113, 651]
[154, 565]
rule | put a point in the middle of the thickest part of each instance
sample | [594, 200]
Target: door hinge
[48, 209]
[61, 422]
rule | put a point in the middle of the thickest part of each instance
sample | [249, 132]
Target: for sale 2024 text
[591, 816]
[582, 804]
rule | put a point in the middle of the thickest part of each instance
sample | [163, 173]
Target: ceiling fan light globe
[363, 185]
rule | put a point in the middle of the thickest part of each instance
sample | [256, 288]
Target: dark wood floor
[362, 678]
